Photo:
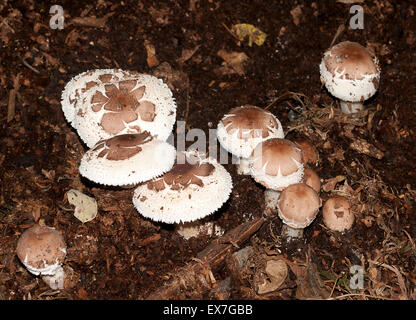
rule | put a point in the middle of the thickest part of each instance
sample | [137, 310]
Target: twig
[12, 99]
[29, 66]
[359, 294]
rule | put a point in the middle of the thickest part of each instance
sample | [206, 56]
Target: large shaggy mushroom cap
[298, 205]
[190, 191]
[242, 128]
[101, 104]
[277, 163]
[41, 249]
[350, 72]
[127, 159]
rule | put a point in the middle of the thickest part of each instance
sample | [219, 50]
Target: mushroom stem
[271, 199]
[351, 107]
[56, 280]
[243, 166]
[197, 228]
[291, 233]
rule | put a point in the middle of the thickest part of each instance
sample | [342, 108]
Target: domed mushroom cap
[190, 191]
[41, 249]
[276, 163]
[120, 104]
[127, 159]
[242, 128]
[350, 72]
[311, 179]
[337, 214]
[310, 154]
[298, 205]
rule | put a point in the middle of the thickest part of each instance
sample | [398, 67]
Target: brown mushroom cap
[298, 205]
[337, 214]
[276, 163]
[311, 179]
[310, 154]
[356, 60]
[41, 249]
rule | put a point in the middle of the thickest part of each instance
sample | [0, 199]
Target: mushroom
[310, 154]
[100, 104]
[311, 179]
[337, 214]
[298, 206]
[276, 163]
[351, 73]
[42, 251]
[242, 128]
[127, 159]
[192, 190]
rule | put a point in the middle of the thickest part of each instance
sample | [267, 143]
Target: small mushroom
[298, 206]
[42, 251]
[242, 128]
[127, 160]
[276, 164]
[103, 103]
[192, 190]
[311, 179]
[351, 73]
[337, 214]
[310, 154]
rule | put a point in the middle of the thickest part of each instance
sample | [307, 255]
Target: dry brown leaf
[233, 60]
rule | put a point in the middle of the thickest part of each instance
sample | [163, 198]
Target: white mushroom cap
[41, 249]
[350, 72]
[242, 128]
[337, 214]
[190, 191]
[298, 205]
[122, 102]
[78, 85]
[127, 159]
[277, 163]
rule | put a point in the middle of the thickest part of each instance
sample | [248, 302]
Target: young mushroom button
[351, 73]
[337, 214]
[42, 251]
[242, 128]
[276, 164]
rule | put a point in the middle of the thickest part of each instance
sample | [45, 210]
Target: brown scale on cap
[122, 147]
[249, 117]
[40, 246]
[352, 57]
[182, 175]
[123, 104]
[277, 153]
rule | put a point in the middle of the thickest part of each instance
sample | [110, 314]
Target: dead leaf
[152, 60]
[233, 61]
[244, 30]
[330, 183]
[85, 207]
[187, 54]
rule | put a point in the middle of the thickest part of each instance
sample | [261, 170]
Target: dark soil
[121, 255]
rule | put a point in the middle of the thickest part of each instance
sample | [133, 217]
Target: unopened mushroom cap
[190, 191]
[311, 179]
[114, 102]
[276, 163]
[350, 72]
[41, 249]
[337, 214]
[242, 128]
[298, 205]
[310, 154]
[127, 159]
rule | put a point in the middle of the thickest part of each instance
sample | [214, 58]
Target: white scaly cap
[121, 102]
[127, 159]
[350, 72]
[190, 191]
[242, 128]
[277, 163]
